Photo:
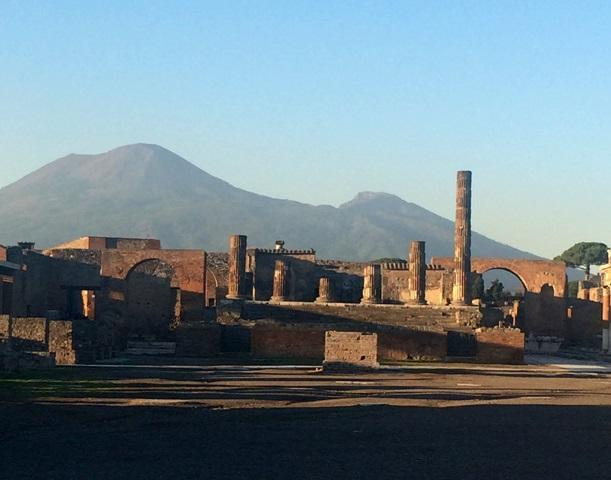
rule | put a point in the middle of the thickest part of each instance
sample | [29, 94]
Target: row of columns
[372, 276]
[372, 283]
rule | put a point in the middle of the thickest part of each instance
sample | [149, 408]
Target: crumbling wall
[412, 344]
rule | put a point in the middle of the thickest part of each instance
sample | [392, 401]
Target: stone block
[351, 350]
[288, 342]
[500, 345]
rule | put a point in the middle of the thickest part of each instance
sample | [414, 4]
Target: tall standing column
[606, 304]
[417, 273]
[236, 282]
[372, 284]
[325, 294]
[281, 275]
[461, 293]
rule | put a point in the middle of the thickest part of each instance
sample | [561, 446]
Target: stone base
[350, 350]
[278, 299]
[500, 345]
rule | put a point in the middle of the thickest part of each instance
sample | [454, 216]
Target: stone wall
[217, 272]
[351, 349]
[412, 344]
[5, 327]
[61, 342]
[365, 316]
[103, 243]
[198, 339]
[29, 333]
[500, 345]
[288, 341]
[583, 323]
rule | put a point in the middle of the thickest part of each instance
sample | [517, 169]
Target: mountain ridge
[148, 191]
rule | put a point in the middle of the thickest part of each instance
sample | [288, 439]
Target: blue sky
[317, 100]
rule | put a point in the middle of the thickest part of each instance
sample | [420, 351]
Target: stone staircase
[418, 318]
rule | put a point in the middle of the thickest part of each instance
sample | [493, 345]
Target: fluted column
[417, 273]
[236, 284]
[281, 274]
[461, 293]
[325, 294]
[372, 284]
[605, 318]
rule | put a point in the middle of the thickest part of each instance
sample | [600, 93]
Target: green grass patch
[56, 382]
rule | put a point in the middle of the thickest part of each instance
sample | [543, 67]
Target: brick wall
[288, 342]
[500, 345]
[402, 345]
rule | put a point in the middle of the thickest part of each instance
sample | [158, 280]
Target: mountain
[145, 190]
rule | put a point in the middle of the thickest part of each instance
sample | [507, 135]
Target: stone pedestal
[281, 276]
[236, 281]
[325, 294]
[461, 292]
[348, 350]
[372, 284]
[417, 273]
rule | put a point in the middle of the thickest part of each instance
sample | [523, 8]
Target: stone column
[417, 273]
[372, 283]
[461, 292]
[605, 318]
[281, 284]
[177, 299]
[325, 294]
[236, 282]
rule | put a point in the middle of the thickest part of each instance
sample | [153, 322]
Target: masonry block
[500, 345]
[351, 349]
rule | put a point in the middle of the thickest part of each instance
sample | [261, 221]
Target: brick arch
[174, 283]
[189, 268]
[535, 275]
[189, 265]
[505, 269]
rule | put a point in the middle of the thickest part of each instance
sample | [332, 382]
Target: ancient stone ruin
[95, 297]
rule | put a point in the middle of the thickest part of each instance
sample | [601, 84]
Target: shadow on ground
[494, 442]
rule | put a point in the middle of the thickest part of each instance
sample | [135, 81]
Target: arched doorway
[502, 294]
[153, 300]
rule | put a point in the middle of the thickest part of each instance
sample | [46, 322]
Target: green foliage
[573, 287]
[495, 292]
[583, 254]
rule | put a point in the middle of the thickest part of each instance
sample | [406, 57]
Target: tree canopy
[583, 254]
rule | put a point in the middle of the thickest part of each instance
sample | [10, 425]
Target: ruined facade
[280, 301]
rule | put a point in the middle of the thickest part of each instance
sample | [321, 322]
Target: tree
[583, 254]
[495, 292]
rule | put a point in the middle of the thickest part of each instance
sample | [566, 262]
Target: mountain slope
[147, 191]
